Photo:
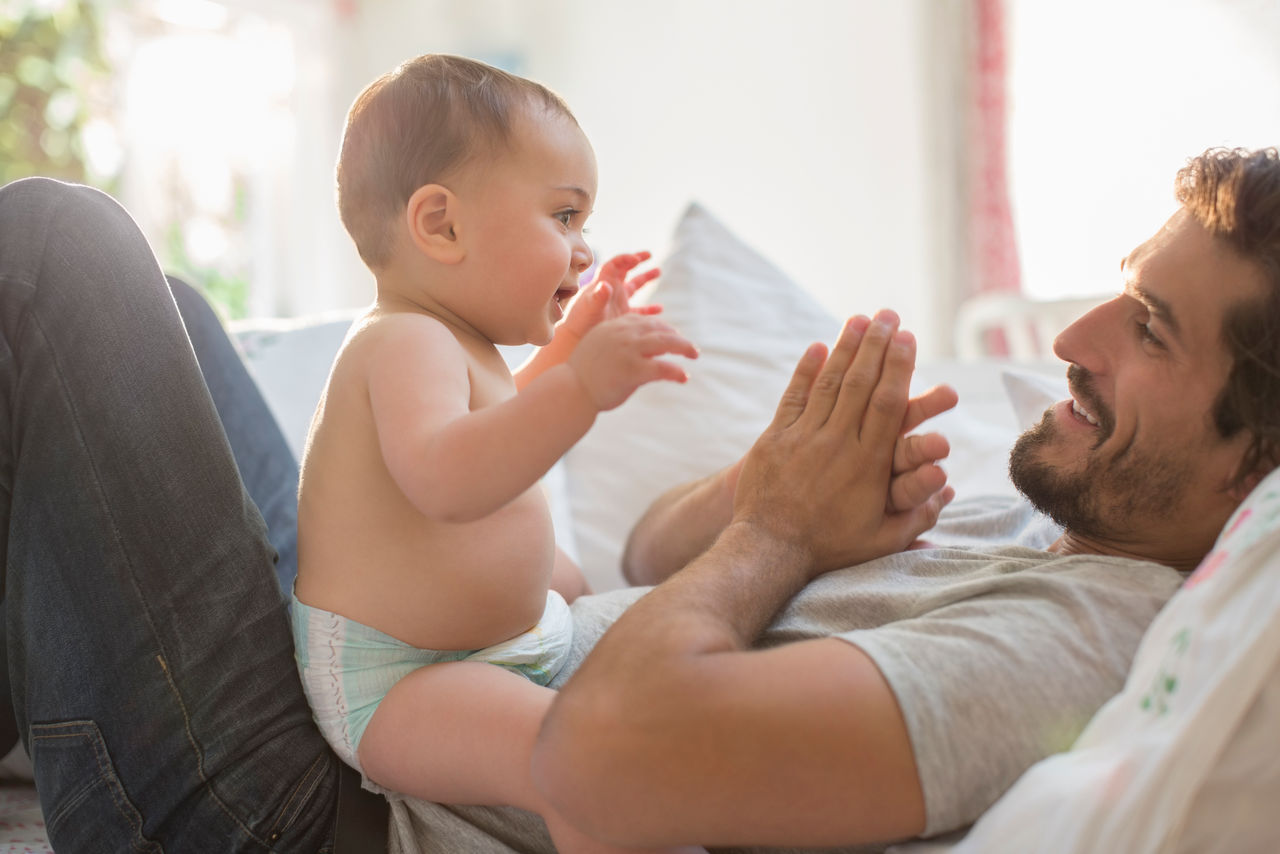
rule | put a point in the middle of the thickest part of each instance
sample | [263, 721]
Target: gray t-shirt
[998, 656]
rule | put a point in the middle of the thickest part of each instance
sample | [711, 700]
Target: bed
[751, 323]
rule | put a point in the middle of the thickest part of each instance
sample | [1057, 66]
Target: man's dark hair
[1235, 195]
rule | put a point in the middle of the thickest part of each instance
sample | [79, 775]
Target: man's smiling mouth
[1084, 413]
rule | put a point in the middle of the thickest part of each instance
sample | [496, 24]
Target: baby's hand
[619, 355]
[609, 294]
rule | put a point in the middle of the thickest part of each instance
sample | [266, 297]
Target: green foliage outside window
[55, 81]
[51, 71]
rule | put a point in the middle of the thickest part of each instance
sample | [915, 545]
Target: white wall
[1108, 100]
[805, 125]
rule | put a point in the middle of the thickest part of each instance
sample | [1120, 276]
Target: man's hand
[684, 522]
[916, 474]
[609, 295]
[818, 479]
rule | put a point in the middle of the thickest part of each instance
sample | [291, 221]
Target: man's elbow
[635, 563]
[575, 765]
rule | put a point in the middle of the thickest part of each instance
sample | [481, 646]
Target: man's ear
[431, 216]
[1243, 486]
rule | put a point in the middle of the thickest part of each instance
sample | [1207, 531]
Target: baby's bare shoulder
[400, 339]
[378, 328]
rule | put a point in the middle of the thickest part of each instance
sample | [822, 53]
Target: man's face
[1132, 463]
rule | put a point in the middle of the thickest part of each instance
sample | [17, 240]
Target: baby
[430, 605]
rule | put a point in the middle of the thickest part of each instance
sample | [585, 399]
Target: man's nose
[1088, 339]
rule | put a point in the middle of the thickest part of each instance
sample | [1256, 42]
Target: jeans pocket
[85, 806]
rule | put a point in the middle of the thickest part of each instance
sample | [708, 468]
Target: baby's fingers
[662, 369]
[915, 450]
[664, 339]
[935, 401]
[617, 267]
[912, 489]
[638, 281]
[911, 523]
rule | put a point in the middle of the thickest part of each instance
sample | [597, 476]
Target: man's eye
[1145, 334]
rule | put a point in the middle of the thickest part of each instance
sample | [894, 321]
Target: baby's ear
[430, 216]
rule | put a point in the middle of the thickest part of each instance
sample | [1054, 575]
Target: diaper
[347, 667]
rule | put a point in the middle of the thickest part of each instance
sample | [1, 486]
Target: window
[1108, 98]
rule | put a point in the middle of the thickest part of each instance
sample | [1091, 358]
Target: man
[1173, 418]
[149, 649]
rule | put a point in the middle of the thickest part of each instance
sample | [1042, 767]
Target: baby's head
[418, 125]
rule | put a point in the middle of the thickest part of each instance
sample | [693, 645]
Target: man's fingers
[917, 449]
[933, 402]
[796, 395]
[874, 399]
[826, 389]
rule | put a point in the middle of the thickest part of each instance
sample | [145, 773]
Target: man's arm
[681, 524]
[674, 730]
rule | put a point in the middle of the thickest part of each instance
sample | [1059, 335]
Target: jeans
[149, 651]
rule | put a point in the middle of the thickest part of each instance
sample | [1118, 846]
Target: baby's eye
[566, 217]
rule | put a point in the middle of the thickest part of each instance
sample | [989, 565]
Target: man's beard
[1104, 498]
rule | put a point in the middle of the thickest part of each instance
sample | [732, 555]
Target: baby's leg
[462, 733]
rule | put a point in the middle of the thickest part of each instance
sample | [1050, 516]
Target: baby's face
[523, 215]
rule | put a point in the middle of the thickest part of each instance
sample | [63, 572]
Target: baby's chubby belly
[438, 585]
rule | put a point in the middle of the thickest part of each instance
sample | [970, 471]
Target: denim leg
[149, 651]
[266, 464]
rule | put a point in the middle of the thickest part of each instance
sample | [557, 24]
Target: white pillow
[290, 361]
[1031, 393]
[751, 324]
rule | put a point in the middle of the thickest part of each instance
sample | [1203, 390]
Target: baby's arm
[607, 296]
[456, 464]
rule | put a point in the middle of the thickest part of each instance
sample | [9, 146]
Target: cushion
[751, 324]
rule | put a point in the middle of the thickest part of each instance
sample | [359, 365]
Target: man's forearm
[680, 525]
[633, 702]
[674, 729]
[733, 589]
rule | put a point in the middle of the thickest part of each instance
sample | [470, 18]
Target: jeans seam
[292, 807]
[199, 753]
[106, 774]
